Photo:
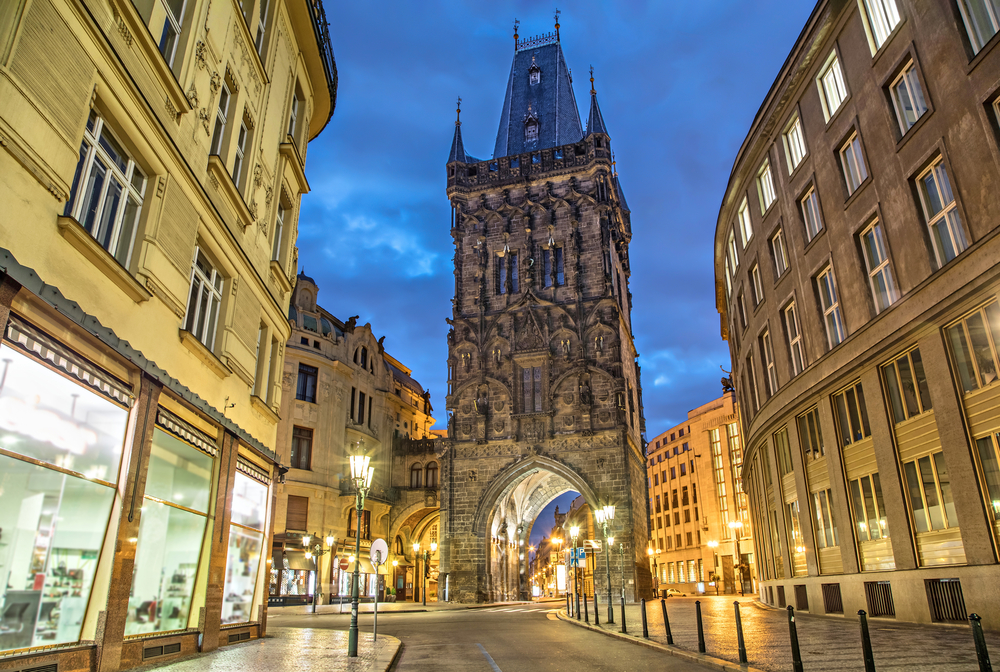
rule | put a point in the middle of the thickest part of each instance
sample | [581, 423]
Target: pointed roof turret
[595, 123]
[457, 148]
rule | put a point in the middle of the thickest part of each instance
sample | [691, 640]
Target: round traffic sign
[344, 564]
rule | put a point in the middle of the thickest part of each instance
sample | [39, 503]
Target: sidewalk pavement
[829, 643]
[300, 649]
[392, 607]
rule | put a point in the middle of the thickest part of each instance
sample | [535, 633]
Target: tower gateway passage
[544, 394]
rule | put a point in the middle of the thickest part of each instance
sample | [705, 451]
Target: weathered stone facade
[544, 394]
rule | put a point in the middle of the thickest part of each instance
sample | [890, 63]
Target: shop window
[929, 488]
[54, 522]
[204, 300]
[852, 414]
[416, 476]
[108, 190]
[171, 532]
[302, 442]
[431, 475]
[306, 386]
[906, 386]
[974, 346]
[246, 541]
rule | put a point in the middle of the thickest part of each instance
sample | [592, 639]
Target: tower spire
[457, 147]
[595, 123]
[557, 23]
[517, 23]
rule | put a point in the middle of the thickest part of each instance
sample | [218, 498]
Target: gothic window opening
[560, 271]
[534, 74]
[531, 388]
[531, 131]
[507, 274]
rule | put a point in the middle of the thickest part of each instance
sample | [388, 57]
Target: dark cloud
[679, 85]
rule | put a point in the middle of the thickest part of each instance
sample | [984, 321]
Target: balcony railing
[322, 29]
[377, 492]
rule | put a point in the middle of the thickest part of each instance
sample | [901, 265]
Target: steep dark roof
[551, 99]
[404, 378]
[595, 122]
[621, 194]
[457, 148]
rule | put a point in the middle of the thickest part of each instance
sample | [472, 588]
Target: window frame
[174, 23]
[221, 119]
[765, 186]
[744, 223]
[810, 434]
[304, 373]
[782, 268]
[974, 363]
[298, 435]
[839, 79]
[851, 149]
[909, 77]
[944, 495]
[829, 305]
[767, 358]
[824, 522]
[875, 41]
[795, 345]
[794, 141]
[959, 241]
[279, 228]
[812, 207]
[756, 286]
[859, 508]
[214, 283]
[754, 390]
[883, 267]
[894, 391]
[852, 424]
[976, 41]
[242, 141]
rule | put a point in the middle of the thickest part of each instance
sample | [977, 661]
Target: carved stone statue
[482, 402]
[351, 323]
[586, 398]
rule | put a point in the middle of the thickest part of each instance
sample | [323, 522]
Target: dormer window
[534, 75]
[531, 130]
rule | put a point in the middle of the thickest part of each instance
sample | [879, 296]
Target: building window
[830, 305]
[241, 146]
[745, 225]
[741, 305]
[783, 451]
[752, 382]
[826, 528]
[880, 279]
[531, 389]
[906, 386]
[171, 29]
[416, 476]
[982, 20]
[869, 509]
[929, 488]
[508, 280]
[306, 387]
[293, 113]
[811, 214]
[986, 448]
[431, 475]
[908, 98]
[279, 228]
[531, 131]
[366, 524]
[974, 345]
[756, 288]
[795, 144]
[852, 414]
[221, 116]
[560, 270]
[853, 163]
[794, 337]
[779, 253]
[767, 353]
[246, 542]
[108, 189]
[302, 441]
[261, 27]
[941, 213]
[832, 88]
[554, 257]
[883, 17]
[765, 187]
[733, 256]
[204, 300]
[810, 434]
[534, 74]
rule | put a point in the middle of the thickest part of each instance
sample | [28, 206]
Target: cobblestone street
[826, 643]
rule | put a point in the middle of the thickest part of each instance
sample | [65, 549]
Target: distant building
[699, 521]
[857, 282]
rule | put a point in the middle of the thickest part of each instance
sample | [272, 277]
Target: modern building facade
[340, 387]
[856, 273]
[544, 392]
[151, 172]
[701, 537]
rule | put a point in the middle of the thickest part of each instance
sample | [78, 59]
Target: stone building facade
[857, 279]
[341, 387]
[695, 492]
[151, 171]
[544, 393]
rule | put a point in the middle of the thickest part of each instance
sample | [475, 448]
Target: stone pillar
[802, 497]
[222, 508]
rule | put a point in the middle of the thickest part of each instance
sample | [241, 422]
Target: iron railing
[322, 29]
[377, 492]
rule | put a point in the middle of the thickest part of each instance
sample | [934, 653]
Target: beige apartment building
[701, 537]
[151, 170]
[857, 281]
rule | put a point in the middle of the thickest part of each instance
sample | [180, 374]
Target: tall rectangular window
[907, 98]
[171, 32]
[779, 253]
[853, 163]
[869, 509]
[795, 144]
[752, 382]
[741, 304]
[547, 270]
[783, 451]
[832, 88]
[982, 20]
[279, 229]
[989, 460]
[941, 213]
[560, 270]
[830, 305]
[810, 434]
[302, 441]
[767, 353]
[262, 371]
[261, 27]
[293, 114]
[883, 17]
[906, 386]
[241, 148]
[512, 273]
[852, 414]
[811, 214]
[928, 486]
[221, 119]
[531, 389]
[794, 336]
[974, 342]
[745, 225]
[203, 300]
[108, 190]
[734, 258]
[306, 387]
[765, 186]
[826, 528]
[756, 287]
[884, 292]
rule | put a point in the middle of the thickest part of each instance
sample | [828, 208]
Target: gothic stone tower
[544, 392]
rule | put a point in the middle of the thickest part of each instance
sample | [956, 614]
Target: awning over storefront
[293, 560]
[367, 567]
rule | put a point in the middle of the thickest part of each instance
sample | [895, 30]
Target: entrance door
[728, 578]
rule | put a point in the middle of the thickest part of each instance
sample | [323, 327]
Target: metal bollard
[597, 618]
[569, 606]
[577, 595]
[701, 630]
[793, 635]
[586, 612]
[739, 635]
[645, 627]
[977, 634]
[866, 642]
[666, 622]
[624, 629]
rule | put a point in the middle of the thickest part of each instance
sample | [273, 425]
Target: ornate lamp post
[574, 532]
[736, 526]
[361, 474]
[315, 551]
[715, 564]
[604, 517]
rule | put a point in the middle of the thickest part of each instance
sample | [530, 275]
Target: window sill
[857, 192]
[204, 354]
[912, 130]
[223, 180]
[85, 244]
[279, 275]
[290, 152]
[260, 405]
[981, 54]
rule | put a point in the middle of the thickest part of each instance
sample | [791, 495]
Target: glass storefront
[61, 446]
[246, 542]
[171, 530]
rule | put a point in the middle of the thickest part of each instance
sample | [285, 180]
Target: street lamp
[395, 564]
[604, 517]
[656, 567]
[621, 567]
[574, 532]
[736, 526]
[361, 475]
[314, 551]
[715, 564]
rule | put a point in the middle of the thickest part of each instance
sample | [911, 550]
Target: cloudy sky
[679, 83]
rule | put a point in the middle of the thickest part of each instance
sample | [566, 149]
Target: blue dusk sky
[679, 84]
